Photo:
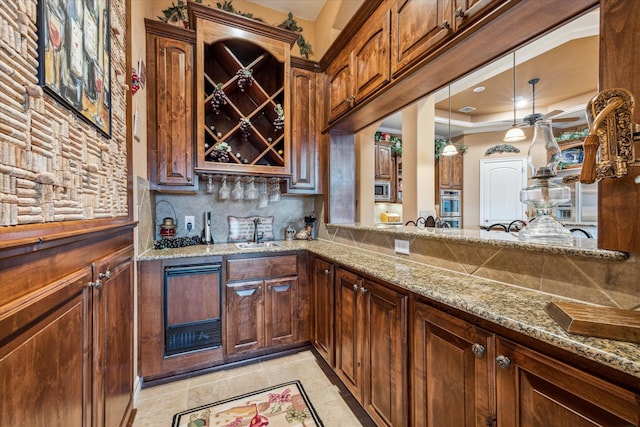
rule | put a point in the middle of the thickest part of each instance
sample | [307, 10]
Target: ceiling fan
[531, 119]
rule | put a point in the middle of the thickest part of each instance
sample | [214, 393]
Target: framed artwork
[74, 42]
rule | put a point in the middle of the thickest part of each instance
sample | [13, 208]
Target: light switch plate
[402, 246]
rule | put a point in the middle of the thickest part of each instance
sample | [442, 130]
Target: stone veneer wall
[53, 165]
[606, 282]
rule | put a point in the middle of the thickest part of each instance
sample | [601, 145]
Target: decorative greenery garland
[177, 13]
[502, 148]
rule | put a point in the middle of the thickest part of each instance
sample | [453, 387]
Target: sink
[253, 245]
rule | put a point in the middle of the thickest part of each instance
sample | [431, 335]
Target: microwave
[382, 191]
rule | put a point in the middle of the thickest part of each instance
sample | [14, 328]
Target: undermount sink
[254, 245]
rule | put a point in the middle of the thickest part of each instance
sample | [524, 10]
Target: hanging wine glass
[238, 191]
[223, 193]
[251, 193]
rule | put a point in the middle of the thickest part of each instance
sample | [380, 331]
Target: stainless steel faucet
[257, 236]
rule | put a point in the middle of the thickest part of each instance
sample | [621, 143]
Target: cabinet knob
[459, 13]
[269, 288]
[96, 285]
[349, 100]
[327, 272]
[445, 25]
[478, 349]
[503, 361]
[363, 290]
[355, 288]
[294, 182]
[105, 275]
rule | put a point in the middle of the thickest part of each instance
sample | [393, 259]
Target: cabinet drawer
[261, 268]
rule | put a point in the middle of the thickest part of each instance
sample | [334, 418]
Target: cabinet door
[244, 325]
[170, 111]
[534, 390]
[457, 171]
[371, 55]
[384, 161]
[113, 339]
[45, 362]
[450, 171]
[386, 384]
[418, 27]
[305, 136]
[323, 303]
[452, 367]
[349, 331]
[339, 85]
[280, 305]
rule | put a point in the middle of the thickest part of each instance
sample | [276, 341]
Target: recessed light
[478, 89]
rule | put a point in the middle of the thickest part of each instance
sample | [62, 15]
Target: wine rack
[243, 86]
[255, 100]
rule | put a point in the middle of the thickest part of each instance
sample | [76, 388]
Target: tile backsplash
[288, 211]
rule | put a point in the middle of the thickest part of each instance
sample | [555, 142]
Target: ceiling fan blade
[566, 119]
[550, 114]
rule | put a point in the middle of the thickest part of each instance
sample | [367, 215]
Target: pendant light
[514, 134]
[449, 149]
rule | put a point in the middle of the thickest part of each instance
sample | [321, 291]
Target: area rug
[281, 405]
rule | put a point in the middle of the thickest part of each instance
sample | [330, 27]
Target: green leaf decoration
[502, 148]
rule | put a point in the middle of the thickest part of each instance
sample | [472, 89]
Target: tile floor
[156, 405]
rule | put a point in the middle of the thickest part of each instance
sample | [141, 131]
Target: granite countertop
[512, 307]
[578, 246]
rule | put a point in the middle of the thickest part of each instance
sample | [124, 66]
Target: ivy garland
[502, 148]
[177, 13]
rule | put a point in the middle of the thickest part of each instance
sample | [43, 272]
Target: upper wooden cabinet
[243, 92]
[363, 67]
[450, 171]
[468, 11]
[170, 101]
[306, 162]
[418, 27]
[384, 165]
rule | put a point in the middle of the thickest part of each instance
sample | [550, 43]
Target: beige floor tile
[157, 405]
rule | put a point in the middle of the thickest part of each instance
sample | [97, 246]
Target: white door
[500, 183]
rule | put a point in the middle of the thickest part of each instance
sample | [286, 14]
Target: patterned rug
[282, 405]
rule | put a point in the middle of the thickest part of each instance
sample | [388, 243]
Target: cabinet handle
[349, 100]
[96, 285]
[259, 291]
[478, 349]
[355, 288]
[363, 290]
[445, 25]
[269, 288]
[503, 361]
[459, 13]
[326, 272]
[105, 275]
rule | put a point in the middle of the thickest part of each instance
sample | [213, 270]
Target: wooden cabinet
[371, 355]
[322, 301]
[534, 390]
[469, 11]
[339, 92]
[463, 375]
[170, 106]
[306, 164]
[418, 28]
[384, 164]
[450, 171]
[66, 339]
[362, 67]
[452, 367]
[243, 88]
[264, 303]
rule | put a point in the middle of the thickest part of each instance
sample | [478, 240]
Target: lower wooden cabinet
[371, 352]
[534, 390]
[322, 297]
[452, 367]
[261, 314]
[66, 347]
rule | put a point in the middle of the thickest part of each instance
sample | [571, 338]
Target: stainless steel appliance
[583, 206]
[382, 191]
[451, 207]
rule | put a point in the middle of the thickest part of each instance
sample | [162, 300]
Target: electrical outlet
[402, 246]
[189, 219]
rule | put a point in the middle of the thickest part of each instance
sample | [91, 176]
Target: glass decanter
[544, 194]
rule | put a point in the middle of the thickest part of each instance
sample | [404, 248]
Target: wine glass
[223, 193]
[238, 191]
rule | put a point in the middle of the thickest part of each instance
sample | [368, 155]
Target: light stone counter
[512, 307]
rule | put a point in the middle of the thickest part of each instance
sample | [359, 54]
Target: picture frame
[74, 46]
